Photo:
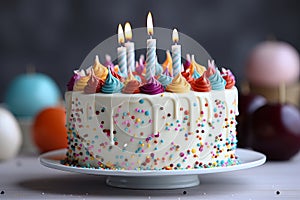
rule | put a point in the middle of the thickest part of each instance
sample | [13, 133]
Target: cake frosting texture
[141, 132]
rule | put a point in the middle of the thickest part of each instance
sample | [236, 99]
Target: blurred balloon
[49, 130]
[271, 63]
[10, 135]
[29, 93]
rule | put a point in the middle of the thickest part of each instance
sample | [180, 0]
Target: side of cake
[164, 131]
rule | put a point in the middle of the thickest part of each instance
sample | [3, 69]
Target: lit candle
[122, 58]
[176, 54]
[129, 48]
[151, 49]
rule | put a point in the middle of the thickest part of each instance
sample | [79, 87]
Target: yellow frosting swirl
[200, 69]
[130, 77]
[179, 85]
[81, 83]
[100, 70]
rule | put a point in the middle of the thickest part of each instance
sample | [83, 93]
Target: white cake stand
[153, 179]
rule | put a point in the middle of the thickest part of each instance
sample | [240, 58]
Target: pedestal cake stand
[153, 179]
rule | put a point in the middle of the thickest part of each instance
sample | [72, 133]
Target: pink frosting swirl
[140, 66]
[152, 87]
[108, 63]
[132, 87]
[228, 77]
[93, 85]
[211, 68]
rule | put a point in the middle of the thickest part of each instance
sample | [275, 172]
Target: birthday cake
[158, 120]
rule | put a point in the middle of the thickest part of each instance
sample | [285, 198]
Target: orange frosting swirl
[230, 82]
[168, 64]
[187, 75]
[132, 87]
[201, 84]
[179, 85]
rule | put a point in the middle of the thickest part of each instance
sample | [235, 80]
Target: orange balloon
[49, 131]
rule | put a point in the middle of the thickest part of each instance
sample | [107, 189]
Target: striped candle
[130, 55]
[122, 61]
[151, 49]
[122, 57]
[150, 58]
[129, 47]
[176, 54]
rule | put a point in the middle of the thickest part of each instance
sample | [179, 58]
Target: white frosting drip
[138, 124]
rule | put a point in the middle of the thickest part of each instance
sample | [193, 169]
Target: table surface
[25, 178]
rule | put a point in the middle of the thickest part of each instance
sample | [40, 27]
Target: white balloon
[10, 135]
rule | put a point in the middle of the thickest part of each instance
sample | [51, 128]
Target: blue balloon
[29, 93]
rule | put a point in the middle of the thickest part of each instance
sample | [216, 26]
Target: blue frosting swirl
[138, 78]
[124, 75]
[196, 74]
[165, 79]
[217, 82]
[112, 84]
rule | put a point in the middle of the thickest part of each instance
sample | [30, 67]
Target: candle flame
[149, 24]
[175, 36]
[120, 34]
[128, 32]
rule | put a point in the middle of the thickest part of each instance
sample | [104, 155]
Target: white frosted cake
[167, 122]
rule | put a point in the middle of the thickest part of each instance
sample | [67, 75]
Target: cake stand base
[153, 182]
[153, 179]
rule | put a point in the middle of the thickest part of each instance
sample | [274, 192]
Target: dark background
[56, 35]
